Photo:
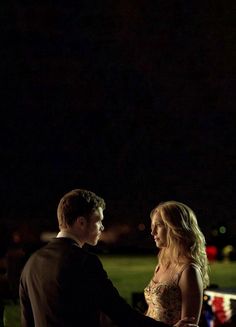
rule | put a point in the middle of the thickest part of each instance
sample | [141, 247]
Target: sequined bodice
[164, 301]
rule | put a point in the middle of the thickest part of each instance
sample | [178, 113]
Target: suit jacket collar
[67, 234]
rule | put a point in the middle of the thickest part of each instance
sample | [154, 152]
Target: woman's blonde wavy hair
[185, 241]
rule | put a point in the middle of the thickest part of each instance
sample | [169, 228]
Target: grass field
[132, 273]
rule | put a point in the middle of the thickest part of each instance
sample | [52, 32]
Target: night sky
[133, 100]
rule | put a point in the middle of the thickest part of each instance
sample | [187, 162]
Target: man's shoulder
[64, 250]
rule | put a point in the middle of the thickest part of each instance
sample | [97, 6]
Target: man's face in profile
[94, 227]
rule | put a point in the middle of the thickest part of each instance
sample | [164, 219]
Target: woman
[176, 289]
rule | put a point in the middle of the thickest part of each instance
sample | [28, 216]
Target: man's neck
[69, 234]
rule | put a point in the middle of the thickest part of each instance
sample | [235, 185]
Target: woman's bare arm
[192, 293]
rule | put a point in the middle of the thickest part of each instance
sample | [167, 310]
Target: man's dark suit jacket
[63, 285]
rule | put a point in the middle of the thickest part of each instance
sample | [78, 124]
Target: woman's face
[158, 230]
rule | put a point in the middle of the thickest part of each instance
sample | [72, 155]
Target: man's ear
[81, 221]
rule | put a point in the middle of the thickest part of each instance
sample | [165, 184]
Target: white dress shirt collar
[67, 234]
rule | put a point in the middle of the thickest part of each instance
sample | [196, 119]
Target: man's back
[53, 289]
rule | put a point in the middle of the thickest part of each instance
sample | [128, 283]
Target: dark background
[131, 99]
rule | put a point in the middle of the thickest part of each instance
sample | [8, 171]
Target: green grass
[223, 274]
[129, 273]
[132, 273]
[12, 315]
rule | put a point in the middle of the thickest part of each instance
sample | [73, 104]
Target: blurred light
[205, 298]
[16, 237]
[114, 233]
[222, 229]
[214, 232]
[141, 227]
[227, 250]
[47, 236]
[211, 251]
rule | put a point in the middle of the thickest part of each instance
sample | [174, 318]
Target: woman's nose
[153, 231]
[102, 228]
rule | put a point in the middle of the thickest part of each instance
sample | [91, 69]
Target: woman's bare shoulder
[191, 275]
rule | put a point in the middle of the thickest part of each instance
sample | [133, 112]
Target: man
[62, 285]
